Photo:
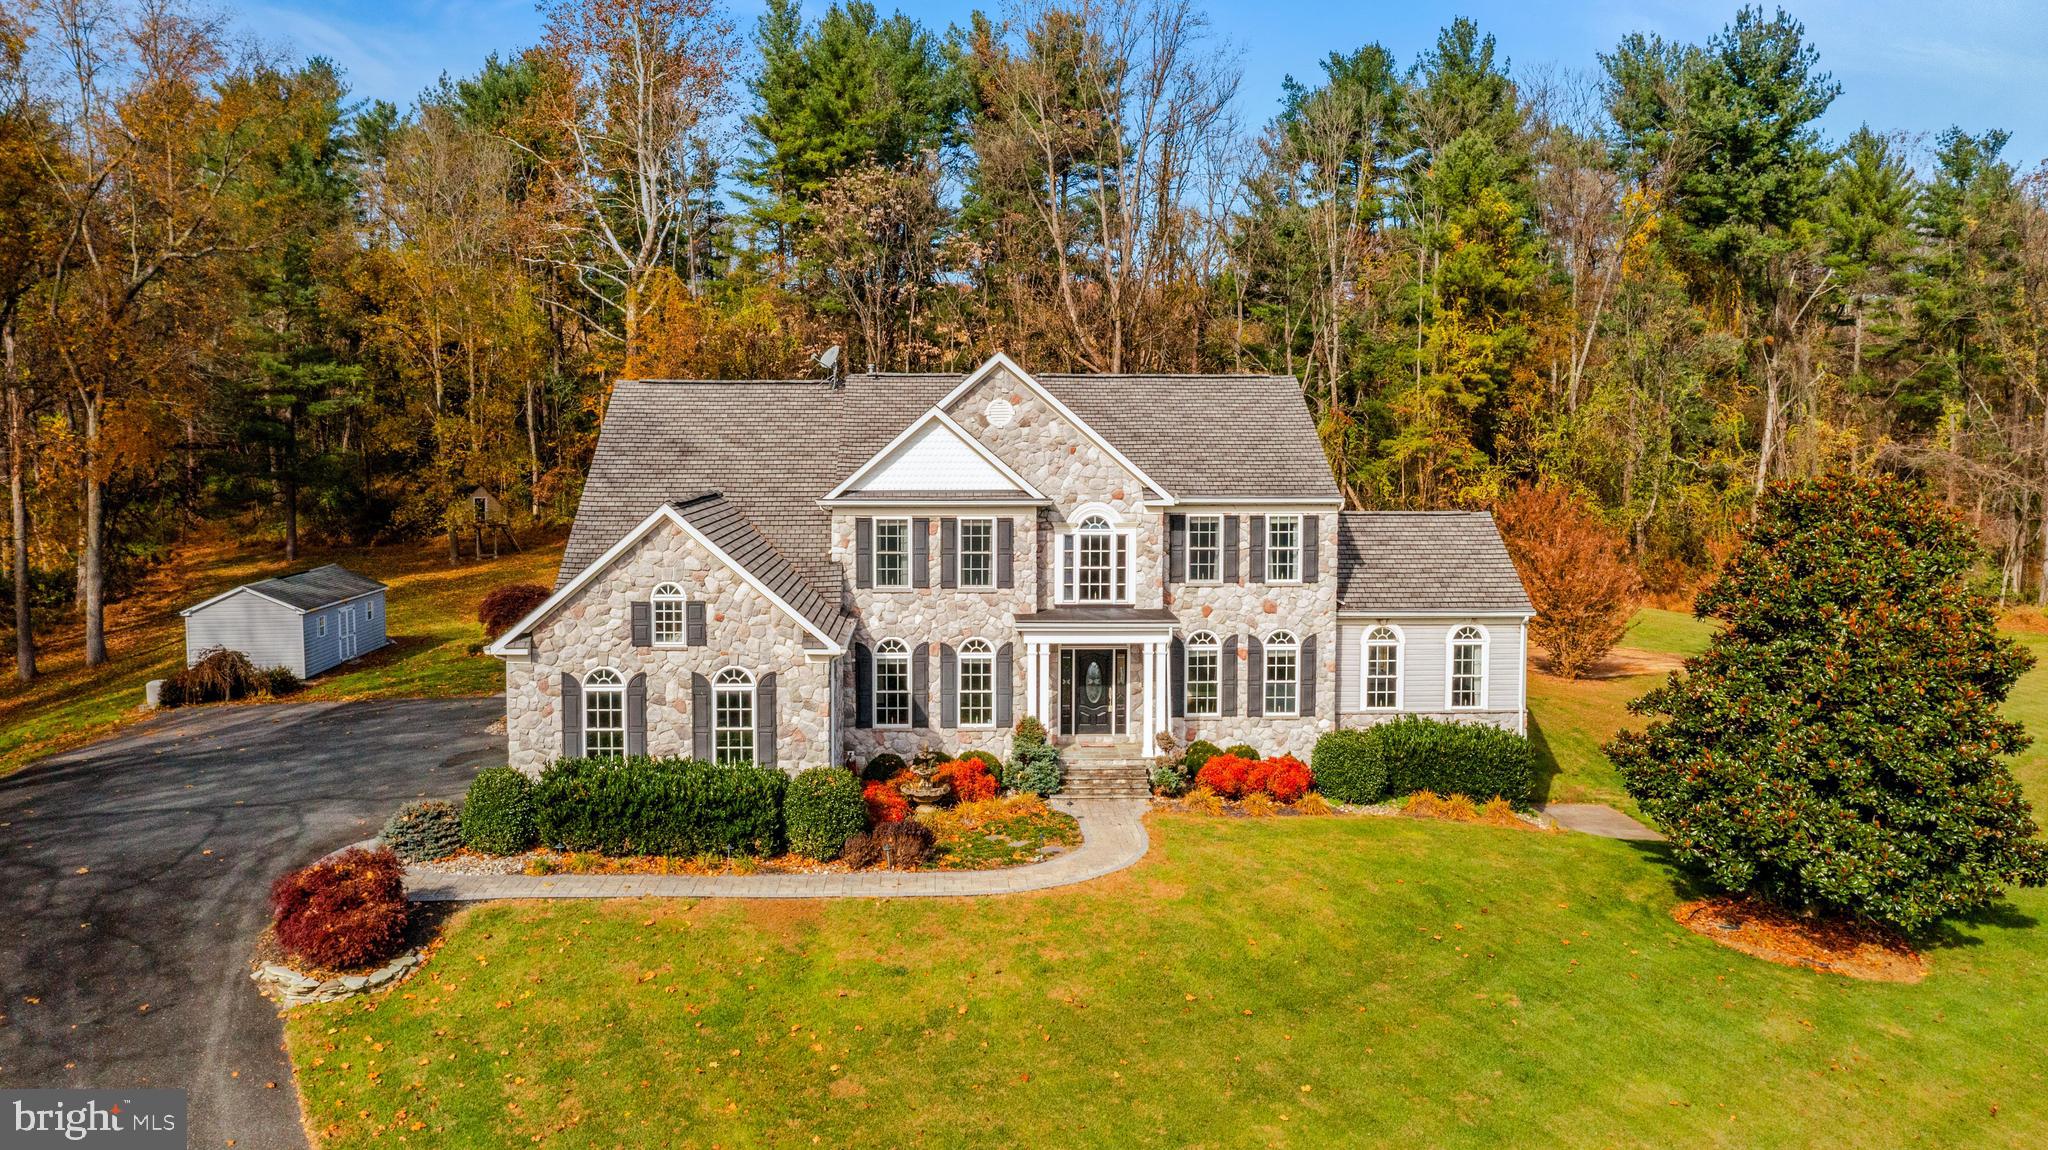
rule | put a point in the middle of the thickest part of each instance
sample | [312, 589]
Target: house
[309, 622]
[803, 572]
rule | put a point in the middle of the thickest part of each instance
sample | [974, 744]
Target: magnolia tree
[1838, 746]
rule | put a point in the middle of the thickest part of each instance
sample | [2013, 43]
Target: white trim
[1003, 361]
[501, 649]
[1299, 549]
[1188, 549]
[909, 685]
[1485, 665]
[1082, 514]
[1187, 649]
[1266, 648]
[747, 685]
[937, 501]
[959, 553]
[1227, 501]
[251, 589]
[875, 583]
[1349, 615]
[655, 599]
[936, 413]
[1365, 644]
[959, 677]
[1066, 546]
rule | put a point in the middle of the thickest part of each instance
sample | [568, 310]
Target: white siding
[935, 459]
[1424, 657]
[268, 633]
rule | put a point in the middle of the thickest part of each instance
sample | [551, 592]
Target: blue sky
[1911, 65]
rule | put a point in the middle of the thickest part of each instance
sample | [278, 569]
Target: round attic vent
[1000, 412]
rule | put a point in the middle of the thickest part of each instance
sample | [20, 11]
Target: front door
[1093, 691]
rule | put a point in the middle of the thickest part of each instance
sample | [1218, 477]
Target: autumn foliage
[508, 605]
[345, 912]
[1576, 569]
[1284, 778]
[969, 778]
[885, 803]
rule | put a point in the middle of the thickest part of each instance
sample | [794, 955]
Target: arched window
[977, 684]
[732, 716]
[1467, 688]
[1283, 674]
[1382, 680]
[1202, 669]
[669, 608]
[1094, 558]
[892, 683]
[604, 714]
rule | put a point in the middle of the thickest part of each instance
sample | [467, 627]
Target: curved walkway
[1112, 838]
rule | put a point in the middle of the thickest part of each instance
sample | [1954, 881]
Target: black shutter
[949, 687]
[1177, 699]
[1006, 547]
[920, 553]
[1005, 677]
[1226, 678]
[700, 716]
[920, 686]
[1305, 674]
[643, 623]
[863, 552]
[1311, 544]
[1066, 691]
[572, 717]
[764, 720]
[1258, 550]
[863, 686]
[1254, 677]
[1176, 548]
[636, 714]
[1230, 548]
[693, 623]
[949, 552]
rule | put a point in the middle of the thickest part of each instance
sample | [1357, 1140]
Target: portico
[1102, 671]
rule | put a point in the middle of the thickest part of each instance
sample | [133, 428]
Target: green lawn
[1667, 632]
[432, 625]
[1253, 982]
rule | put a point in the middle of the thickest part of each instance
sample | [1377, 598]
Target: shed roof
[306, 591]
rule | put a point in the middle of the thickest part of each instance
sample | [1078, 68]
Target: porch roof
[1100, 621]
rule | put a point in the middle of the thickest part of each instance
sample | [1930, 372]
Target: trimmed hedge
[822, 809]
[497, 817]
[1415, 754]
[1243, 751]
[643, 806]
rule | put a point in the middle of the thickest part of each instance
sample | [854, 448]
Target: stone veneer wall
[742, 628]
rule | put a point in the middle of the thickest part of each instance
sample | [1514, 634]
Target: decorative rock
[290, 988]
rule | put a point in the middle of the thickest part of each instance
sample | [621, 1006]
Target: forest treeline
[231, 290]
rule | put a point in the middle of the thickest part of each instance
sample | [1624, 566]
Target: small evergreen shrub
[1199, 752]
[1169, 778]
[497, 816]
[883, 767]
[344, 913]
[424, 831]
[904, 844]
[674, 806]
[1242, 751]
[1028, 731]
[508, 605]
[987, 759]
[280, 681]
[1469, 759]
[1348, 767]
[822, 809]
[1034, 768]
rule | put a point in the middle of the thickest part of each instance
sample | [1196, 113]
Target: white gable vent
[999, 412]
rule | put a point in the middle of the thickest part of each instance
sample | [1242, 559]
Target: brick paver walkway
[1112, 838]
[1600, 820]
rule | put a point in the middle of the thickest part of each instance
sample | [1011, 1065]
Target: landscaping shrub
[883, 767]
[1227, 774]
[884, 803]
[497, 815]
[1243, 751]
[969, 778]
[1469, 759]
[508, 605]
[1285, 779]
[821, 810]
[1258, 805]
[1838, 747]
[1028, 730]
[280, 681]
[660, 807]
[1199, 752]
[1313, 804]
[1348, 767]
[344, 913]
[861, 851]
[1203, 801]
[423, 831]
[905, 843]
[1169, 777]
[987, 759]
[1034, 768]
[222, 675]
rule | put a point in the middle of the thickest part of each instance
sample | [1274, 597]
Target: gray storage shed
[308, 622]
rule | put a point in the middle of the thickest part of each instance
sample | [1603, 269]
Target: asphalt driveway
[133, 876]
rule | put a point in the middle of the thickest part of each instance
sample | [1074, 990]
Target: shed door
[348, 632]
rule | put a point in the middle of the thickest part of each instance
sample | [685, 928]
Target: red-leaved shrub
[1227, 775]
[885, 803]
[508, 605]
[344, 913]
[1285, 778]
[969, 778]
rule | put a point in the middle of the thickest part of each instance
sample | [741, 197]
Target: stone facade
[743, 628]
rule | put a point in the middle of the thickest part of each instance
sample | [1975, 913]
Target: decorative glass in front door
[1092, 687]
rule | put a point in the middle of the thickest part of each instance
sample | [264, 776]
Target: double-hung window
[977, 684]
[1382, 669]
[732, 713]
[1283, 549]
[977, 546]
[1205, 548]
[1096, 557]
[892, 553]
[604, 714]
[1283, 674]
[1468, 668]
[1204, 667]
[668, 612]
[892, 684]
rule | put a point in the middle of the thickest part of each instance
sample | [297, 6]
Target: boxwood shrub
[660, 807]
[822, 809]
[497, 817]
[1199, 752]
[1469, 759]
[1348, 767]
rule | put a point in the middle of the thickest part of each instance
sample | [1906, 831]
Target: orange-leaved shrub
[969, 778]
[345, 912]
[885, 803]
[1285, 778]
[1226, 774]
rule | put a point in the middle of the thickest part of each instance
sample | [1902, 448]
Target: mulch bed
[1832, 946]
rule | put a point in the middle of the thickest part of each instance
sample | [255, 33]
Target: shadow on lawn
[1547, 769]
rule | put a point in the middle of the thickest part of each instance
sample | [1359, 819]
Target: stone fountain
[925, 791]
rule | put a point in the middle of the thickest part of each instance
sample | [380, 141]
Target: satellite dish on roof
[830, 362]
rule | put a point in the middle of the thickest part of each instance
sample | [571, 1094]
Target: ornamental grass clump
[1838, 747]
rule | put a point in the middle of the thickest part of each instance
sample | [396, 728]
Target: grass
[432, 625]
[998, 833]
[1299, 982]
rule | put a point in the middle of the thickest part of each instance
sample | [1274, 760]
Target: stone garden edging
[290, 988]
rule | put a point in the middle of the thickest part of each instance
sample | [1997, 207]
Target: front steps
[1105, 771]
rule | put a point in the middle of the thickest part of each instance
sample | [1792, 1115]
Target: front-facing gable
[935, 455]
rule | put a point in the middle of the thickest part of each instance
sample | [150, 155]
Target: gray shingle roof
[730, 532]
[775, 448]
[320, 587]
[1405, 561]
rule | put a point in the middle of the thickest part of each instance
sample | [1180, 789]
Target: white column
[1163, 717]
[1045, 686]
[1151, 700]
